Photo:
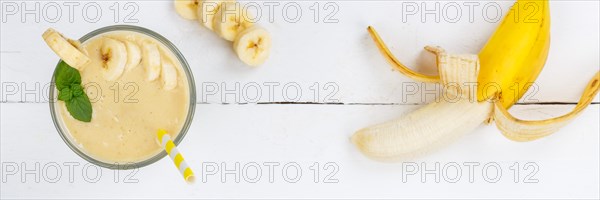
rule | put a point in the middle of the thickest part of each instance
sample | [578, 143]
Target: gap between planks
[332, 103]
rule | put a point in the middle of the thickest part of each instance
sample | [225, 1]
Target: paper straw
[171, 149]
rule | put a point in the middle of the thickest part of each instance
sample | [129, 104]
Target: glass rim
[189, 118]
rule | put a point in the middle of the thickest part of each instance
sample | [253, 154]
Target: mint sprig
[68, 83]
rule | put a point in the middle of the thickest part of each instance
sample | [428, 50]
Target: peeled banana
[207, 11]
[230, 20]
[253, 46]
[169, 75]
[187, 8]
[514, 55]
[151, 60]
[134, 55]
[68, 50]
[114, 58]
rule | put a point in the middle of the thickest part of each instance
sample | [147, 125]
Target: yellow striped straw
[171, 149]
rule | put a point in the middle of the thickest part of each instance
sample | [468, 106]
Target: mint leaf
[68, 83]
[80, 108]
[66, 76]
[65, 94]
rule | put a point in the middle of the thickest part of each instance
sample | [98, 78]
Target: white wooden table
[270, 137]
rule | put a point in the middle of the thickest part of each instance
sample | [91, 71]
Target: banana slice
[151, 60]
[230, 20]
[134, 55]
[169, 75]
[207, 10]
[68, 50]
[187, 8]
[114, 58]
[253, 46]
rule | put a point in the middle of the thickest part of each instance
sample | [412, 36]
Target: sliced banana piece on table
[207, 10]
[253, 46]
[114, 57]
[187, 8]
[168, 75]
[230, 20]
[151, 60]
[134, 55]
[68, 50]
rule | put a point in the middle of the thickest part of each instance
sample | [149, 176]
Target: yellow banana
[516, 53]
[506, 66]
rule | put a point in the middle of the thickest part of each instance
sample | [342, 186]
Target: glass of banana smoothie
[137, 83]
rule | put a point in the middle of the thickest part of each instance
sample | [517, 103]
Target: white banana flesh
[114, 58]
[169, 75]
[422, 131]
[253, 46]
[230, 20]
[187, 8]
[151, 60]
[134, 55]
[207, 10]
[68, 50]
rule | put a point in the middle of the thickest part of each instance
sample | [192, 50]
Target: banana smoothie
[136, 85]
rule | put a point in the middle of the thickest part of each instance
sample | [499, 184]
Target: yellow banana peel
[516, 53]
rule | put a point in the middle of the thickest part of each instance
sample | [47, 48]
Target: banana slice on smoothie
[187, 8]
[207, 10]
[151, 60]
[67, 49]
[253, 46]
[169, 75]
[230, 20]
[134, 55]
[114, 57]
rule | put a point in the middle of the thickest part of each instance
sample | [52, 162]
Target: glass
[65, 135]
